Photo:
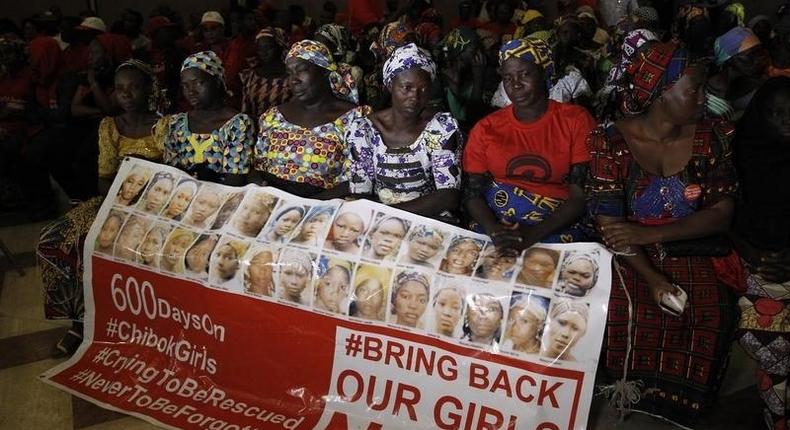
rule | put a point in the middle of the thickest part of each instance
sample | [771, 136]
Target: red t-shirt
[535, 156]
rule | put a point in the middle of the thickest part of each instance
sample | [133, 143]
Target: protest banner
[214, 307]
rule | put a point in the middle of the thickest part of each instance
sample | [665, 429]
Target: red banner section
[181, 355]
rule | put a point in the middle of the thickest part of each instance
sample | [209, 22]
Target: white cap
[213, 16]
[93, 23]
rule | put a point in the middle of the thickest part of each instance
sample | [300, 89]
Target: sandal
[67, 345]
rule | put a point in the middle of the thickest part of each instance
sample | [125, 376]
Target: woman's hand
[660, 285]
[506, 237]
[621, 235]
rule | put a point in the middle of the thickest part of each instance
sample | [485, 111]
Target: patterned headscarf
[340, 79]
[533, 50]
[158, 101]
[408, 57]
[632, 42]
[737, 10]
[340, 37]
[276, 33]
[458, 39]
[732, 43]
[655, 71]
[208, 62]
[392, 36]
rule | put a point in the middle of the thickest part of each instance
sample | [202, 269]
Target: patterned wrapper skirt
[59, 255]
[680, 360]
[764, 332]
[516, 205]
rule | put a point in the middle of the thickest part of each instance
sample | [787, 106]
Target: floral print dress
[396, 175]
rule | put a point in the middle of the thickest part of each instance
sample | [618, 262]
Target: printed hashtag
[81, 375]
[353, 345]
[112, 327]
[102, 355]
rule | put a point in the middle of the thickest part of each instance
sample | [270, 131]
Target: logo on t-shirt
[529, 167]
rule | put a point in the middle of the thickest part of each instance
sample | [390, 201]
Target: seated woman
[743, 62]
[665, 174]
[407, 156]
[265, 85]
[211, 142]
[526, 163]
[300, 146]
[137, 132]
[762, 229]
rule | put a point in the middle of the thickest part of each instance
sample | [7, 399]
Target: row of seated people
[538, 170]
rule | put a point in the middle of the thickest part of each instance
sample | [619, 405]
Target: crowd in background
[661, 135]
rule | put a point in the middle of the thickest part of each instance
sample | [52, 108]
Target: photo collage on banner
[357, 260]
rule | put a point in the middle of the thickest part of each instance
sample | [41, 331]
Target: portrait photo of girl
[254, 211]
[151, 247]
[259, 271]
[525, 320]
[225, 262]
[159, 190]
[284, 222]
[313, 228]
[461, 256]
[130, 237]
[179, 202]
[109, 232]
[333, 285]
[424, 246]
[348, 229]
[197, 257]
[132, 186]
[385, 237]
[369, 298]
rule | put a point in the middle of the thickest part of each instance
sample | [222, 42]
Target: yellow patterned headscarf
[340, 79]
[533, 50]
[208, 62]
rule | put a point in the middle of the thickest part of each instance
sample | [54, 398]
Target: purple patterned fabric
[395, 175]
[405, 58]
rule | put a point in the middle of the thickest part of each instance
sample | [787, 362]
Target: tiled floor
[26, 339]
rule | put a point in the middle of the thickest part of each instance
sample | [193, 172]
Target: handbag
[717, 245]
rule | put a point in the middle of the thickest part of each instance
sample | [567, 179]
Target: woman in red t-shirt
[526, 163]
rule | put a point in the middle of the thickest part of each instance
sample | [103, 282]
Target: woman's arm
[432, 204]
[714, 219]
[235, 180]
[570, 211]
[503, 236]
[337, 192]
[658, 283]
